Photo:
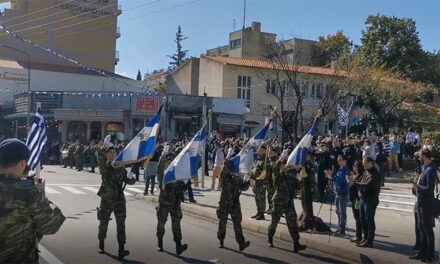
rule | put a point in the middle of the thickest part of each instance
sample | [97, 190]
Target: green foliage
[179, 57]
[435, 137]
[331, 48]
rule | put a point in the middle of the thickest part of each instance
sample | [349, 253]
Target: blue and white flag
[344, 117]
[36, 139]
[143, 145]
[243, 162]
[299, 155]
[186, 164]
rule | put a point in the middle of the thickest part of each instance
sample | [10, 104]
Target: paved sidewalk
[394, 230]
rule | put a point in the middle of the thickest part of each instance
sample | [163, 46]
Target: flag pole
[38, 169]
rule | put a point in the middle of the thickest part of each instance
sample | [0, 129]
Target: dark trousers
[150, 181]
[367, 212]
[357, 219]
[416, 229]
[425, 217]
[322, 185]
[190, 191]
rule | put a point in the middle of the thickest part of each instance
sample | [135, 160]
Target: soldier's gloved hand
[247, 178]
[40, 183]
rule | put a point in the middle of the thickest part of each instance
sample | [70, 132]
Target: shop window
[115, 129]
[77, 130]
[95, 131]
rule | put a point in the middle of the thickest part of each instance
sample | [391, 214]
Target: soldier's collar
[8, 176]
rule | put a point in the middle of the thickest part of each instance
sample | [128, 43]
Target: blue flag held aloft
[298, 157]
[185, 166]
[36, 139]
[143, 145]
[243, 162]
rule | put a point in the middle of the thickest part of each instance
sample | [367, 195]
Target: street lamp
[28, 121]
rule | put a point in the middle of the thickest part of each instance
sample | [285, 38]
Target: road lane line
[49, 257]
[92, 189]
[128, 194]
[50, 190]
[72, 190]
[135, 190]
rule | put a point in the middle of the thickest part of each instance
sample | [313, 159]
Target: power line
[36, 12]
[126, 20]
[64, 11]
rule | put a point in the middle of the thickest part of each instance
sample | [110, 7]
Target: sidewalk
[394, 230]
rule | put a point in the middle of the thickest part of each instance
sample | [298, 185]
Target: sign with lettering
[145, 104]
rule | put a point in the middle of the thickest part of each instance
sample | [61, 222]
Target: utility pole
[244, 15]
[204, 145]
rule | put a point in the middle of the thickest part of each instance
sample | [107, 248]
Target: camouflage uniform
[25, 215]
[72, 149]
[79, 156]
[230, 204]
[269, 183]
[260, 186]
[170, 198]
[112, 197]
[283, 202]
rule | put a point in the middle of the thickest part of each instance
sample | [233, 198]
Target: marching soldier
[272, 158]
[71, 153]
[26, 214]
[79, 155]
[260, 175]
[229, 204]
[91, 152]
[112, 198]
[284, 183]
[170, 198]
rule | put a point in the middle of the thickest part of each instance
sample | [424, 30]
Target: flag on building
[298, 157]
[143, 145]
[344, 117]
[36, 139]
[243, 162]
[186, 164]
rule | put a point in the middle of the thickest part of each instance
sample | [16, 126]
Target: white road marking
[72, 190]
[80, 185]
[49, 257]
[128, 194]
[50, 190]
[135, 190]
[92, 189]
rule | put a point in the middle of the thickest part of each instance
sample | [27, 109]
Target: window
[273, 87]
[236, 43]
[312, 93]
[267, 86]
[244, 89]
[305, 89]
[319, 90]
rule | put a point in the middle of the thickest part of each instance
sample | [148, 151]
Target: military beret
[13, 149]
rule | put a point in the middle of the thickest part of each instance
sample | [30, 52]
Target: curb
[311, 243]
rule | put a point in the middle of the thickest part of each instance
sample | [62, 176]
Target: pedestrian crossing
[77, 189]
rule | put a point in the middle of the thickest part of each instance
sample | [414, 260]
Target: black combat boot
[254, 216]
[270, 242]
[180, 248]
[122, 252]
[160, 244]
[244, 245]
[298, 247]
[260, 216]
[221, 244]
[101, 247]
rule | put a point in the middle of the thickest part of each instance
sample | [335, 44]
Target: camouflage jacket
[79, 150]
[258, 168]
[284, 184]
[113, 179]
[231, 186]
[171, 194]
[25, 215]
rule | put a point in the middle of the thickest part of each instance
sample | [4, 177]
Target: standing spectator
[382, 162]
[417, 140]
[341, 190]
[369, 189]
[425, 209]
[401, 140]
[150, 172]
[359, 171]
[394, 148]
[409, 142]
[218, 164]
[368, 150]
[428, 144]
[323, 163]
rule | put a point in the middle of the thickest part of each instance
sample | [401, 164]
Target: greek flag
[299, 155]
[143, 145]
[186, 164]
[36, 139]
[344, 117]
[243, 162]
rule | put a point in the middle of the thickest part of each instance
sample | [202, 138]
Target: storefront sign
[228, 128]
[145, 104]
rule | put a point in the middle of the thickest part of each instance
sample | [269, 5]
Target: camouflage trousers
[79, 162]
[106, 208]
[226, 207]
[288, 209]
[175, 213]
[260, 188]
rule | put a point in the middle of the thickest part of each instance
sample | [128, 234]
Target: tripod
[326, 195]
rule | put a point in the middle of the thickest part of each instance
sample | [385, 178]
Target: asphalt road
[76, 242]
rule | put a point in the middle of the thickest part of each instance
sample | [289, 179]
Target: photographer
[26, 213]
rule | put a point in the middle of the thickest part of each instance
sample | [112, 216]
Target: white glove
[246, 178]
[130, 175]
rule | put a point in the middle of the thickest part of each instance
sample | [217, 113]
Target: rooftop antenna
[244, 14]
[234, 25]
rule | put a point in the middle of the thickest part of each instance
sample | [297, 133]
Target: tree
[179, 57]
[393, 44]
[139, 76]
[331, 48]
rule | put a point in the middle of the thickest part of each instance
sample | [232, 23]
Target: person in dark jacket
[369, 188]
[323, 162]
[358, 171]
[425, 209]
